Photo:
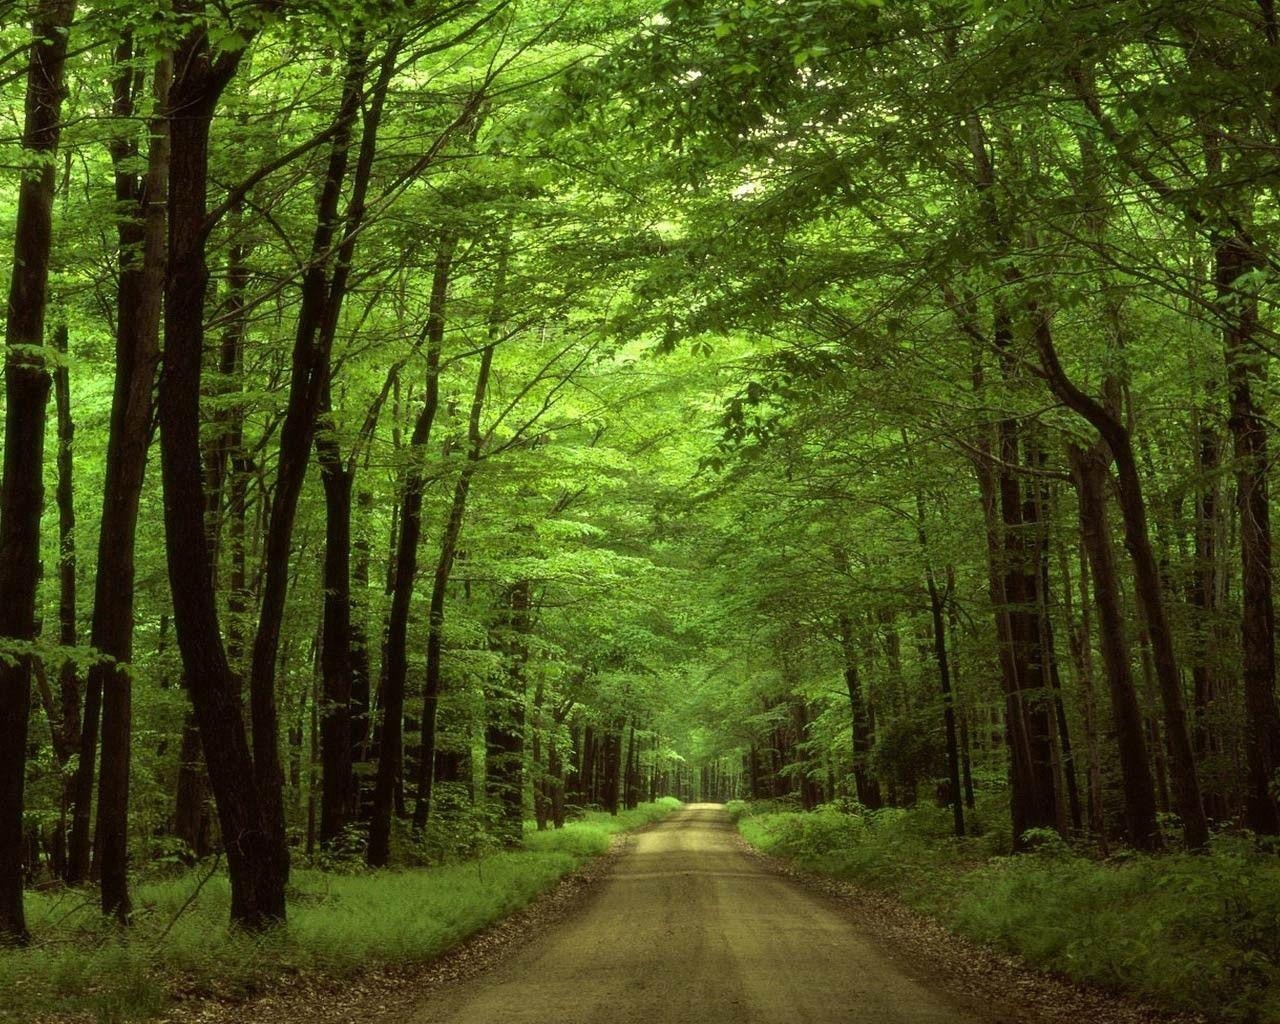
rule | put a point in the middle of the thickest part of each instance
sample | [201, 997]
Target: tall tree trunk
[953, 624]
[542, 772]
[1146, 578]
[504, 727]
[1203, 597]
[1069, 809]
[937, 601]
[307, 383]
[1032, 792]
[948, 701]
[1233, 259]
[395, 657]
[440, 588]
[360, 695]
[190, 818]
[1079, 638]
[1033, 796]
[65, 722]
[337, 780]
[256, 857]
[26, 378]
[866, 785]
[142, 269]
[1089, 469]
[611, 755]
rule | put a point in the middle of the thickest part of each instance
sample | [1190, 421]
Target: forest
[438, 434]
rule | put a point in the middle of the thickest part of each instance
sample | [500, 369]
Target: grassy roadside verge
[338, 923]
[1190, 933]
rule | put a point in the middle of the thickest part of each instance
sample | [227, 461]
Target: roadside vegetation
[346, 919]
[1187, 932]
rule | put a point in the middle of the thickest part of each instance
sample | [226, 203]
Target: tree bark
[64, 722]
[1146, 579]
[504, 727]
[1232, 259]
[321, 302]
[26, 377]
[395, 658]
[257, 859]
[141, 289]
[1203, 596]
[1089, 470]
[440, 588]
[866, 786]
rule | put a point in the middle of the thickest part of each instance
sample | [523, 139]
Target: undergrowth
[1193, 933]
[338, 923]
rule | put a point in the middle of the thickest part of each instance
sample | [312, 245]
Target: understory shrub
[1197, 933]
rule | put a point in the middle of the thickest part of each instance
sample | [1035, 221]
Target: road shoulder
[992, 985]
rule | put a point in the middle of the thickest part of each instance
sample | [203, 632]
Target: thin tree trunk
[307, 382]
[444, 563]
[866, 786]
[541, 769]
[504, 727]
[1079, 637]
[65, 723]
[395, 658]
[1203, 596]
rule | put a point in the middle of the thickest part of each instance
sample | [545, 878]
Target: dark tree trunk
[26, 396]
[555, 768]
[1036, 799]
[541, 770]
[867, 787]
[1079, 636]
[318, 323]
[1245, 362]
[940, 652]
[1146, 580]
[504, 727]
[64, 722]
[1042, 514]
[937, 602]
[395, 658]
[256, 856]
[337, 661]
[440, 589]
[66, 731]
[1027, 724]
[1013, 568]
[1203, 597]
[611, 756]
[191, 819]
[360, 696]
[321, 301]
[142, 244]
[1090, 472]
[78, 847]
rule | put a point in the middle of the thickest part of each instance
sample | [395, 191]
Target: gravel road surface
[689, 928]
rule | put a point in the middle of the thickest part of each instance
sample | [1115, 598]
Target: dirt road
[691, 929]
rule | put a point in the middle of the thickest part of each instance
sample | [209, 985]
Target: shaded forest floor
[351, 936]
[1055, 935]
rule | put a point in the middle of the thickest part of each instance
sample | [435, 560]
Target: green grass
[338, 924]
[1195, 933]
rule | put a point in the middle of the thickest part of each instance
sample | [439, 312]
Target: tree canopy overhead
[421, 418]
